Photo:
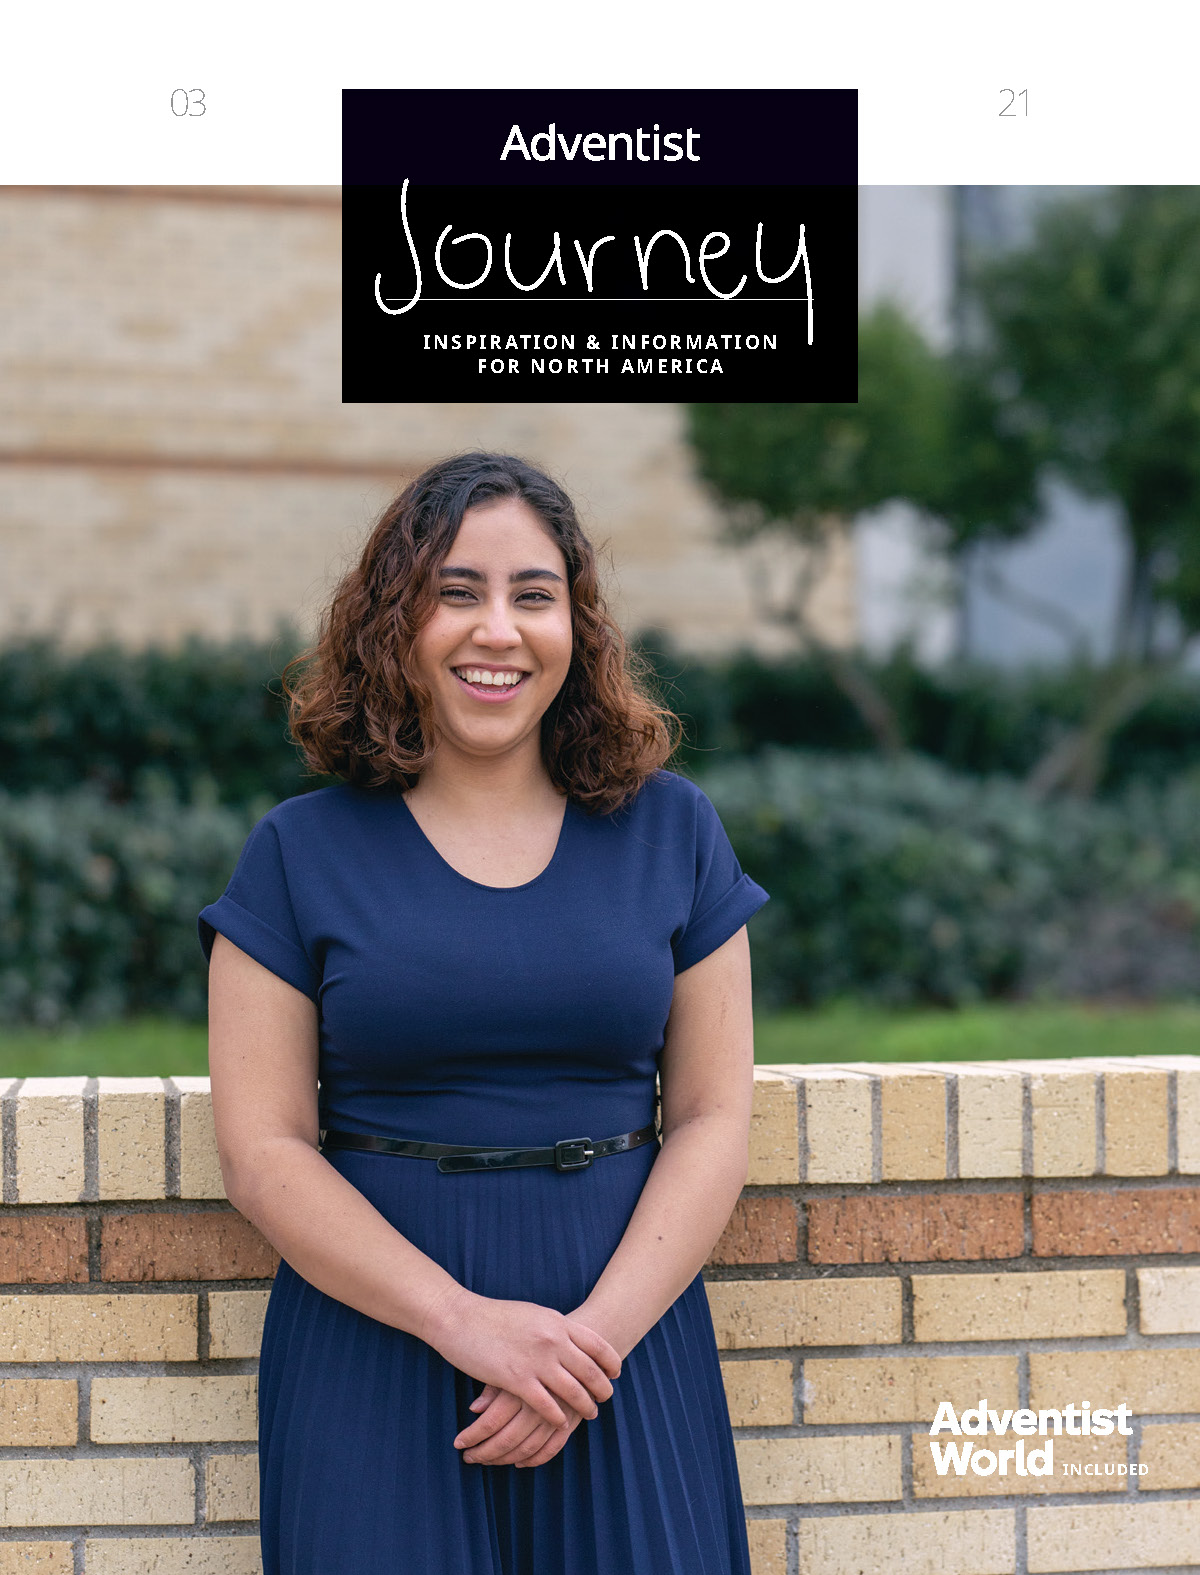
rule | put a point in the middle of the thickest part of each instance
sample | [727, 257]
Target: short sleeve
[256, 914]
[724, 898]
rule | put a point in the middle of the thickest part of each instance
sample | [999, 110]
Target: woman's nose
[497, 626]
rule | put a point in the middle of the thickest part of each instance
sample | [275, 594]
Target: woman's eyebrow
[522, 574]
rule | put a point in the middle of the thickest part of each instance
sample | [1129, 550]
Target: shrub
[907, 882]
[98, 904]
[205, 719]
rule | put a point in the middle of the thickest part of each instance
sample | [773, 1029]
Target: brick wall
[1023, 1233]
[175, 457]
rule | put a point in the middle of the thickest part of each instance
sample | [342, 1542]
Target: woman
[487, 1349]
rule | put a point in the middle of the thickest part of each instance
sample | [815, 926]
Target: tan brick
[39, 1411]
[768, 1547]
[774, 1129]
[1051, 1305]
[760, 1230]
[956, 1542]
[1171, 1453]
[208, 1244]
[49, 1128]
[903, 1388]
[1067, 1451]
[108, 1492]
[837, 1108]
[989, 1121]
[231, 1487]
[1135, 1122]
[819, 1470]
[36, 1558]
[199, 1162]
[923, 1228]
[1150, 1381]
[235, 1322]
[1063, 1102]
[49, 1328]
[192, 1410]
[913, 1125]
[750, 1314]
[173, 1556]
[1070, 1537]
[1169, 1301]
[759, 1393]
[43, 1249]
[132, 1137]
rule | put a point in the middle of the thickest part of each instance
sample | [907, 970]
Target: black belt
[567, 1154]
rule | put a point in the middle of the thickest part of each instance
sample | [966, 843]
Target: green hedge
[205, 720]
[893, 883]
[208, 720]
[907, 882]
[977, 719]
[98, 904]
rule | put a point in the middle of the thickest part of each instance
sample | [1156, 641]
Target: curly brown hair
[357, 706]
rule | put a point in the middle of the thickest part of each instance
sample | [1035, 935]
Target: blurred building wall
[174, 456]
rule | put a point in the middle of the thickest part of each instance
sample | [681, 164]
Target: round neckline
[483, 885]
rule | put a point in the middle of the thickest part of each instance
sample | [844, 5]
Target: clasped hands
[543, 1372]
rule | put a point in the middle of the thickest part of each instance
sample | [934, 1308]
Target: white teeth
[480, 675]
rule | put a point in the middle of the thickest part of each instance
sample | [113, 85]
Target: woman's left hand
[509, 1433]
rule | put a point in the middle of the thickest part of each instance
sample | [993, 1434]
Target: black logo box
[424, 165]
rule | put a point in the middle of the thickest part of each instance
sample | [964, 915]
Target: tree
[1084, 361]
[1092, 333]
[926, 429]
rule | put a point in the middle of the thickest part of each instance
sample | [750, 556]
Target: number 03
[188, 101]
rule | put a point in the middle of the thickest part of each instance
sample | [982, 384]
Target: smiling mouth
[500, 687]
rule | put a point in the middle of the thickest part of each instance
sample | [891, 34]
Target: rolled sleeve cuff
[260, 941]
[714, 927]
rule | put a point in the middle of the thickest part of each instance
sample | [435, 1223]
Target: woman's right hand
[538, 1355]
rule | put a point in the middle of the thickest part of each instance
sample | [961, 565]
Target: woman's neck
[469, 787]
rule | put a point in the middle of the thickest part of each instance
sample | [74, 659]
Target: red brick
[1095, 1223]
[209, 1244]
[43, 1249]
[924, 1227]
[760, 1230]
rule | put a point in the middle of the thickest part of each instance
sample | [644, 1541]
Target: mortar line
[91, 1141]
[876, 1128]
[8, 1136]
[173, 1119]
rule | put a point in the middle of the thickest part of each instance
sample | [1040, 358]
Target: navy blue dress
[457, 1012]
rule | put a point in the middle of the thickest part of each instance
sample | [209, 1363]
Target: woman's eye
[457, 592]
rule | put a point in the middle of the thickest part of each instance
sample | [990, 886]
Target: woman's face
[497, 649]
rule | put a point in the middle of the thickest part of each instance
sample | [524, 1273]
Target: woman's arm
[263, 1071]
[707, 1091]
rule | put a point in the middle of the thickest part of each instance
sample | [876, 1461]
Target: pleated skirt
[357, 1467]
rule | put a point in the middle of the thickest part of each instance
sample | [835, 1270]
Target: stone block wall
[1022, 1233]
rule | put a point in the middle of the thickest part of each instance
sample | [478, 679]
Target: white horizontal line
[597, 300]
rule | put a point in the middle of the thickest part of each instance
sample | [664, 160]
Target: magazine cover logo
[1012, 1428]
[599, 244]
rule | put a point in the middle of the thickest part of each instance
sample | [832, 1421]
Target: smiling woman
[425, 984]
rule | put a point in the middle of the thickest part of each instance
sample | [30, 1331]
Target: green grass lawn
[990, 1032]
[148, 1047]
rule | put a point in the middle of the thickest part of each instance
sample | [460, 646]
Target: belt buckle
[573, 1154]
